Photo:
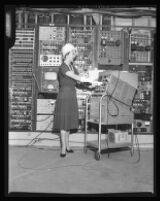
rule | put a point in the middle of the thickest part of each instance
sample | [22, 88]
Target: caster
[97, 156]
[85, 149]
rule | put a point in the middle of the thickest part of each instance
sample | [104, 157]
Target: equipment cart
[98, 111]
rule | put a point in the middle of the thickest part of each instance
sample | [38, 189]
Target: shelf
[141, 63]
[105, 146]
[97, 122]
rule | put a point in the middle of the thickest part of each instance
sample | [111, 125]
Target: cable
[138, 149]
[139, 154]
[48, 116]
[122, 102]
[136, 143]
[35, 139]
[36, 81]
[115, 84]
[113, 115]
[110, 98]
[46, 169]
[63, 166]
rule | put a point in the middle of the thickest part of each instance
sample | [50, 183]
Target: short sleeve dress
[66, 108]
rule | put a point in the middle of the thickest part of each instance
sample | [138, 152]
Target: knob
[139, 124]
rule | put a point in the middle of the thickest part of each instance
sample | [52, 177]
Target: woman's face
[72, 55]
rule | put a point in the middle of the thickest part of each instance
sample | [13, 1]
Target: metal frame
[98, 152]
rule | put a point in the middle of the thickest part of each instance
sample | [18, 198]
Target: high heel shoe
[62, 155]
[69, 151]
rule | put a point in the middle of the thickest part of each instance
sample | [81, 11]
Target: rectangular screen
[50, 76]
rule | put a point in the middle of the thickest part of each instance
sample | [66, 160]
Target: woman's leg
[68, 149]
[63, 141]
[67, 140]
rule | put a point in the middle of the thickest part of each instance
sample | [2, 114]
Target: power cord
[110, 98]
[116, 106]
[137, 144]
[36, 139]
[48, 116]
[85, 165]
[47, 169]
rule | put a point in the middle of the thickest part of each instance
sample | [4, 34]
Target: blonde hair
[67, 48]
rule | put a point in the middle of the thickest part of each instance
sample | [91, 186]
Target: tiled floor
[42, 170]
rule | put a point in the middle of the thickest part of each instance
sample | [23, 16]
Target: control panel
[50, 41]
[113, 47]
[96, 47]
[143, 108]
[140, 46]
[143, 98]
[21, 103]
[84, 40]
[142, 126]
[48, 79]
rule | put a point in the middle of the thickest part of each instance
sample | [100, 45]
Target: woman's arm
[77, 77]
[72, 75]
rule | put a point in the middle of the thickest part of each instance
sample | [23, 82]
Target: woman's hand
[83, 79]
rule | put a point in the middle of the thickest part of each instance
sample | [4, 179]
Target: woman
[66, 108]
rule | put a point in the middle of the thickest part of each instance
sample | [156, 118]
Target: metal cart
[105, 143]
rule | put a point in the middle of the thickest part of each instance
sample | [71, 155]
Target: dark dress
[66, 108]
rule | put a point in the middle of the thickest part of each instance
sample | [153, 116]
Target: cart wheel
[97, 156]
[85, 149]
